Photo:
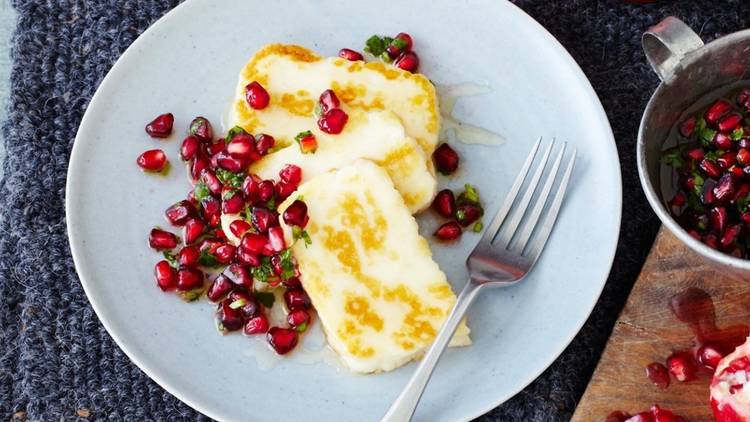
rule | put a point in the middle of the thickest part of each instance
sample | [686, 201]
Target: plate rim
[185, 397]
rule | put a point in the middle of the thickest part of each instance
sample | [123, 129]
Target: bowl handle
[666, 44]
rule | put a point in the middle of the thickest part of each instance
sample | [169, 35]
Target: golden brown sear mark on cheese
[416, 328]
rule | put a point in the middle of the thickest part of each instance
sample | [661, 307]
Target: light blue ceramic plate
[187, 63]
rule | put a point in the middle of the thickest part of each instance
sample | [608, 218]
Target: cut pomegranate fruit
[225, 253]
[730, 386]
[448, 231]
[333, 121]
[263, 219]
[446, 159]
[468, 213]
[658, 374]
[152, 160]
[730, 122]
[350, 55]
[408, 61]
[219, 288]
[253, 243]
[717, 110]
[189, 256]
[681, 365]
[190, 147]
[264, 143]
[162, 240]
[276, 239]
[257, 96]
[257, 325]
[291, 174]
[228, 318]
[239, 227]
[307, 142]
[165, 275]
[189, 279]
[161, 126]
[194, 228]
[444, 203]
[297, 299]
[282, 340]
[180, 212]
[242, 147]
[296, 214]
[233, 204]
[328, 101]
[201, 128]
[298, 319]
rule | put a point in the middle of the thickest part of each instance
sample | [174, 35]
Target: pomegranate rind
[728, 406]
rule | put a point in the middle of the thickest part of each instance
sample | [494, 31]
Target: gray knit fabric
[57, 361]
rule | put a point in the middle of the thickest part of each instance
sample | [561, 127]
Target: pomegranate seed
[189, 148]
[229, 163]
[265, 190]
[256, 96]
[189, 279]
[263, 219]
[743, 156]
[246, 303]
[180, 212]
[444, 203]
[618, 416]
[278, 269]
[737, 172]
[284, 190]
[291, 174]
[328, 101]
[199, 164]
[743, 96]
[403, 36]
[212, 182]
[211, 211]
[225, 253]
[694, 234]
[152, 160]
[297, 299]
[282, 340]
[724, 188]
[350, 55]
[240, 275]
[233, 205]
[229, 319]
[219, 288]
[717, 111]
[243, 147]
[189, 256]
[745, 216]
[687, 127]
[728, 159]
[292, 282]
[446, 159]
[194, 228]
[298, 318]
[730, 122]
[707, 196]
[307, 142]
[296, 214]
[333, 121]
[239, 227]
[165, 275]
[744, 142]
[711, 241]
[201, 128]
[678, 200]
[662, 415]
[264, 143]
[448, 231]
[247, 257]
[709, 357]
[710, 168]
[161, 126]
[468, 213]
[257, 325]
[210, 245]
[718, 217]
[408, 61]
[722, 141]
[161, 240]
[681, 366]
[658, 374]
[276, 239]
[253, 243]
[729, 236]
[696, 154]
[251, 188]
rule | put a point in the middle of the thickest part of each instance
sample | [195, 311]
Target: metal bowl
[688, 70]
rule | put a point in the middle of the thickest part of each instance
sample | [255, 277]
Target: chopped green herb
[228, 178]
[263, 271]
[471, 195]
[706, 135]
[375, 45]
[478, 226]
[737, 134]
[302, 327]
[172, 259]
[288, 269]
[299, 233]
[233, 132]
[201, 192]
[460, 215]
[384, 56]
[228, 194]
[300, 198]
[302, 135]
[698, 184]
[207, 260]
[238, 303]
[712, 155]
[702, 225]
[271, 204]
[318, 111]
[399, 43]
[742, 203]
[694, 202]
[700, 124]
[265, 298]
[192, 295]
[673, 158]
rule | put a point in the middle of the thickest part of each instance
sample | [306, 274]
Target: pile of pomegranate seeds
[331, 118]
[655, 414]
[239, 279]
[465, 210]
[397, 50]
[712, 168]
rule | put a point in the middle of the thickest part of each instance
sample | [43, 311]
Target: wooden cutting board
[648, 331]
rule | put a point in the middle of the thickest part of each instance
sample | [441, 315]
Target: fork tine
[510, 229]
[530, 223]
[554, 209]
[491, 230]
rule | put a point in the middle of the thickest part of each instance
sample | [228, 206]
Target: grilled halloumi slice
[377, 136]
[295, 77]
[379, 295]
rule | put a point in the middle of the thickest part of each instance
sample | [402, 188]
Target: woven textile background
[57, 361]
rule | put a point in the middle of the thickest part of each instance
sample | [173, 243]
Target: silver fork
[495, 261]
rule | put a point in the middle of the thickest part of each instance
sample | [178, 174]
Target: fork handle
[406, 403]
